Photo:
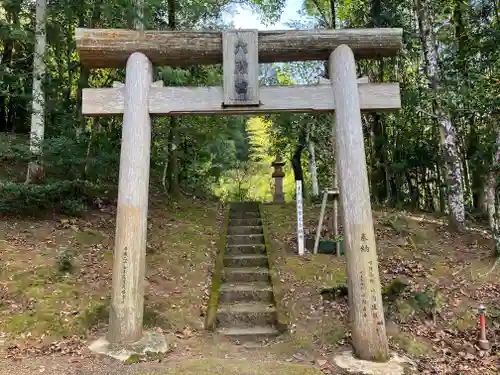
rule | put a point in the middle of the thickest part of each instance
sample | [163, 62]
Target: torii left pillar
[125, 335]
[129, 261]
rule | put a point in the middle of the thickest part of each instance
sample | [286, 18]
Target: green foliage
[393, 291]
[429, 301]
[64, 262]
[225, 155]
[28, 199]
[96, 313]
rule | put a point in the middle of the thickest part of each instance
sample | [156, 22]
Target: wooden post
[127, 298]
[368, 326]
[300, 217]
[320, 223]
[334, 193]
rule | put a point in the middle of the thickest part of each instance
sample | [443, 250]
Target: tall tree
[35, 168]
[173, 136]
[493, 193]
[449, 140]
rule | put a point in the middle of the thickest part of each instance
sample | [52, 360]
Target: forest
[438, 154]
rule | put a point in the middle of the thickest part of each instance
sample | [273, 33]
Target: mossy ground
[448, 267]
[235, 367]
[37, 297]
[41, 305]
[39, 302]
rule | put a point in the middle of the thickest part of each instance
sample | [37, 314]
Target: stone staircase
[246, 310]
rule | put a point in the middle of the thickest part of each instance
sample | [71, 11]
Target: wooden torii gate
[240, 51]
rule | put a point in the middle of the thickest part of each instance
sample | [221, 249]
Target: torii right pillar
[365, 299]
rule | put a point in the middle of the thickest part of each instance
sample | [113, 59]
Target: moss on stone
[283, 317]
[213, 301]
[134, 358]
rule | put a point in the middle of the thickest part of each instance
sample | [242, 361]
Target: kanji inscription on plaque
[241, 67]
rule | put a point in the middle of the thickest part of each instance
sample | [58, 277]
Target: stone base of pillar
[151, 342]
[395, 365]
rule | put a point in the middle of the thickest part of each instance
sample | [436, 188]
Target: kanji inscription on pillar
[241, 67]
[370, 300]
[124, 274]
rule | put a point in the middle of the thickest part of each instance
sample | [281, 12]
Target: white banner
[300, 217]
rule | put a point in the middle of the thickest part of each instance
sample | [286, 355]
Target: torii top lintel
[110, 48]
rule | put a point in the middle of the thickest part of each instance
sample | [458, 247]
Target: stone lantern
[278, 176]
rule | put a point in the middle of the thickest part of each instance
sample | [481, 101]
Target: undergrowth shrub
[68, 197]
[64, 261]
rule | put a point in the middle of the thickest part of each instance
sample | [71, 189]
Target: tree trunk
[6, 59]
[173, 167]
[312, 166]
[449, 141]
[35, 169]
[171, 9]
[83, 81]
[440, 186]
[173, 162]
[297, 157]
[6, 107]
[492, 193]
[426, 183]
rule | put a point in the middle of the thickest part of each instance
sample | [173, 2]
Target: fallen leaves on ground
[452, 350]
[73, 346]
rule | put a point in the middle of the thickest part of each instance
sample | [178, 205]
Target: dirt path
[65, 366]
[241, 362]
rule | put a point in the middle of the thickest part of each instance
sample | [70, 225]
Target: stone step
[245, 239]
[250, 334]
[238, 210]
[245, 274]
[246, 315]
[246, 260]
[244, 214]
[251, 206]
[244, 222]
[245, 249]
[255, 229]
[246, 292]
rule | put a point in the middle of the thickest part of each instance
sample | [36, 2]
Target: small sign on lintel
[240, 62]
